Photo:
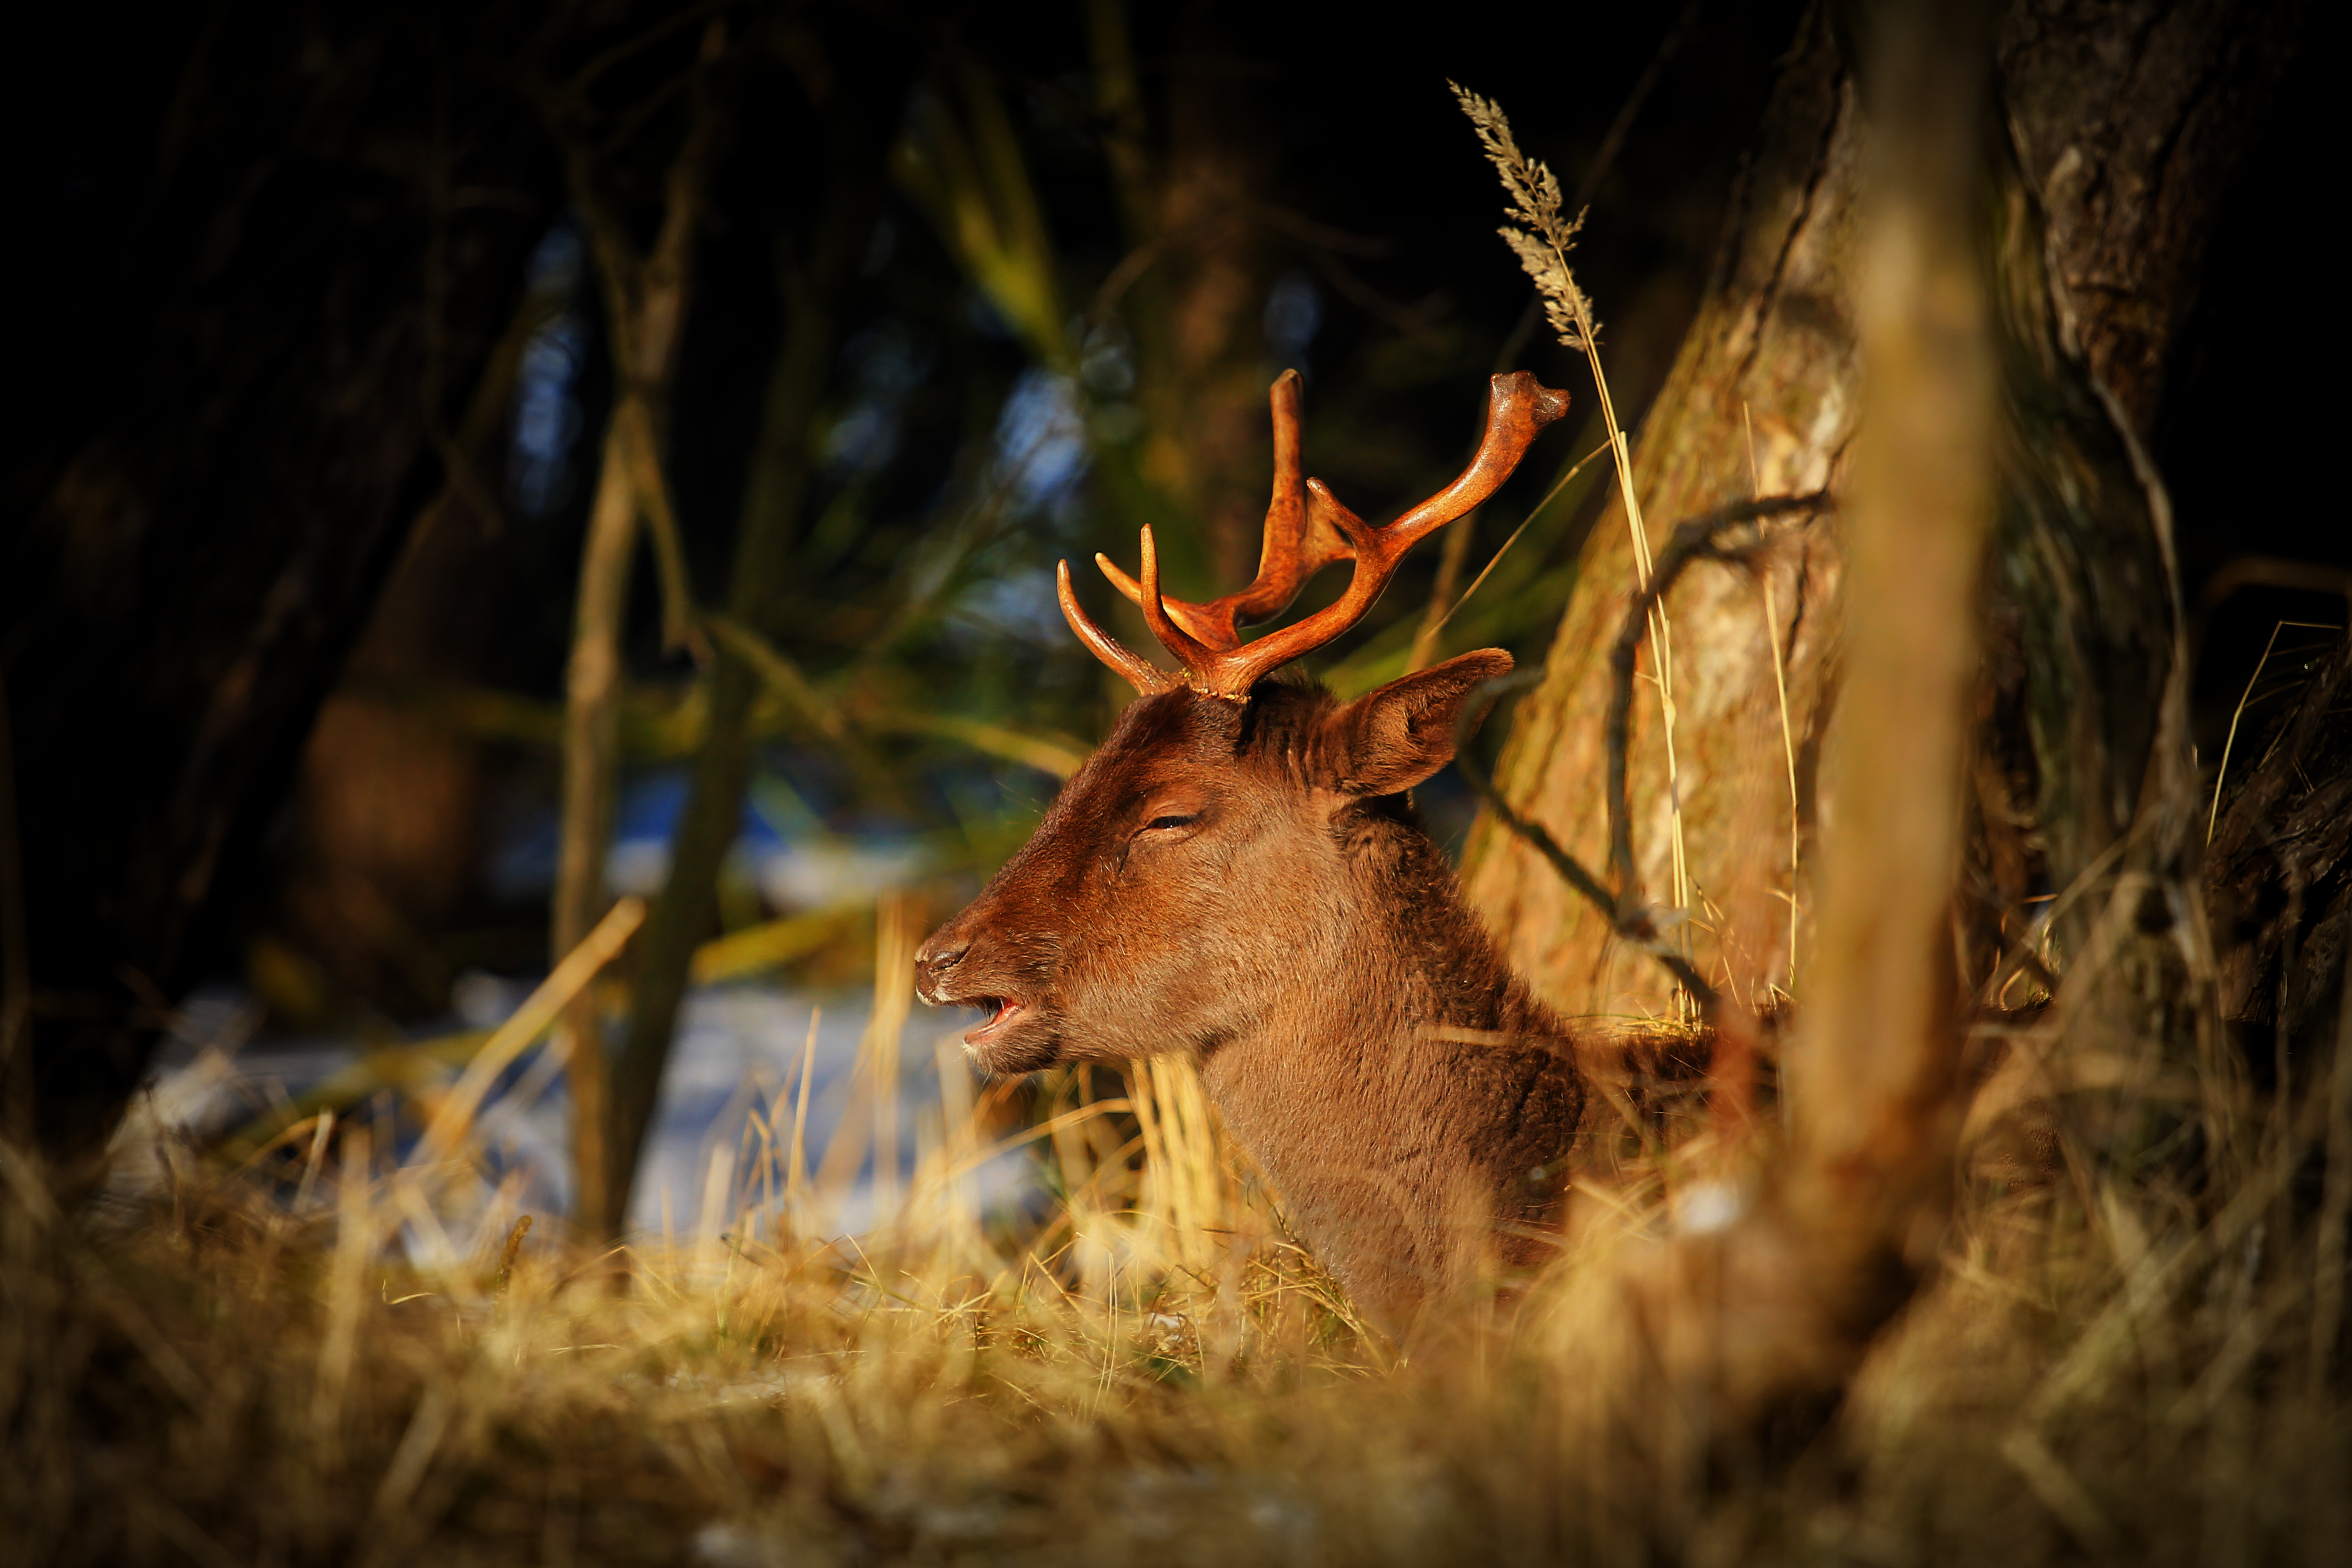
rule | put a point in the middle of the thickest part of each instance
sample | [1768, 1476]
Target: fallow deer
[1238, 873]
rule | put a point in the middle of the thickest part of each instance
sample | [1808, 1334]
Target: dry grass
[250, 1368]
[1541, 234]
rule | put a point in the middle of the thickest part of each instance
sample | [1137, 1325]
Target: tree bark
[2117, 132]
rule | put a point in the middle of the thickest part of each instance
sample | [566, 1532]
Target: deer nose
[932, 962]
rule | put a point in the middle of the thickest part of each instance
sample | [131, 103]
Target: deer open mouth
[1000, 1010]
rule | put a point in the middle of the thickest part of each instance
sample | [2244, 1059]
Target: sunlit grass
[266, 1365]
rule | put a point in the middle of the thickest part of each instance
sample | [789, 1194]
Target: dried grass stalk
[1541, 235]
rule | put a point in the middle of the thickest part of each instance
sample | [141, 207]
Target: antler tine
[1198, 658]
[1294, 547]
[1518, 408]
[1297, 543]
[1144, 676]
[1304, 532]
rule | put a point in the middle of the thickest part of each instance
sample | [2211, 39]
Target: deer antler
[1297, 543]
[1306, 529]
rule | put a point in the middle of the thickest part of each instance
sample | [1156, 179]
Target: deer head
[1231, 850]
[1237, 872]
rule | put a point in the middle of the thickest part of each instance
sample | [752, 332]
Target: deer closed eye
[1172, 821]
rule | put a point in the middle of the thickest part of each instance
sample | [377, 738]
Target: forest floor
[248, 1366]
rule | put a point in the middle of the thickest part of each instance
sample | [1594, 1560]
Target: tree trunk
[646, 296]
[2117, 134]
[813, 286]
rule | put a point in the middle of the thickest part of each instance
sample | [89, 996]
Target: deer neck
[1403, 1092]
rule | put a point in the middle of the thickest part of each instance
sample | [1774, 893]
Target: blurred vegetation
[962, 303]
[822, 332]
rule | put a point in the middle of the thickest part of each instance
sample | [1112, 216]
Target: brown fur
[1245, 881]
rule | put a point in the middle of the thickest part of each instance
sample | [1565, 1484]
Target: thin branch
[1057, 755]
[681, 628]
[646, 299]
[1694, 539]
[689, 176]
[1636, 929]
[777, 670]
[1614, 141]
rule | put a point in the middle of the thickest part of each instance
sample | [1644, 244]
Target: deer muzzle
[934, 962]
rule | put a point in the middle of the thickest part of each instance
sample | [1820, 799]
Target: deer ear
[1391, 739]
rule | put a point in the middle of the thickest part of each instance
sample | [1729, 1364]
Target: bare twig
[1638, 930]
[777, 670]
[641, 451]
[645, 305]
[810, 287]
[1613, 142]
[591, 764]
[1780, 687]
[1694, 539]
[637, 43]
[1057, 754]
